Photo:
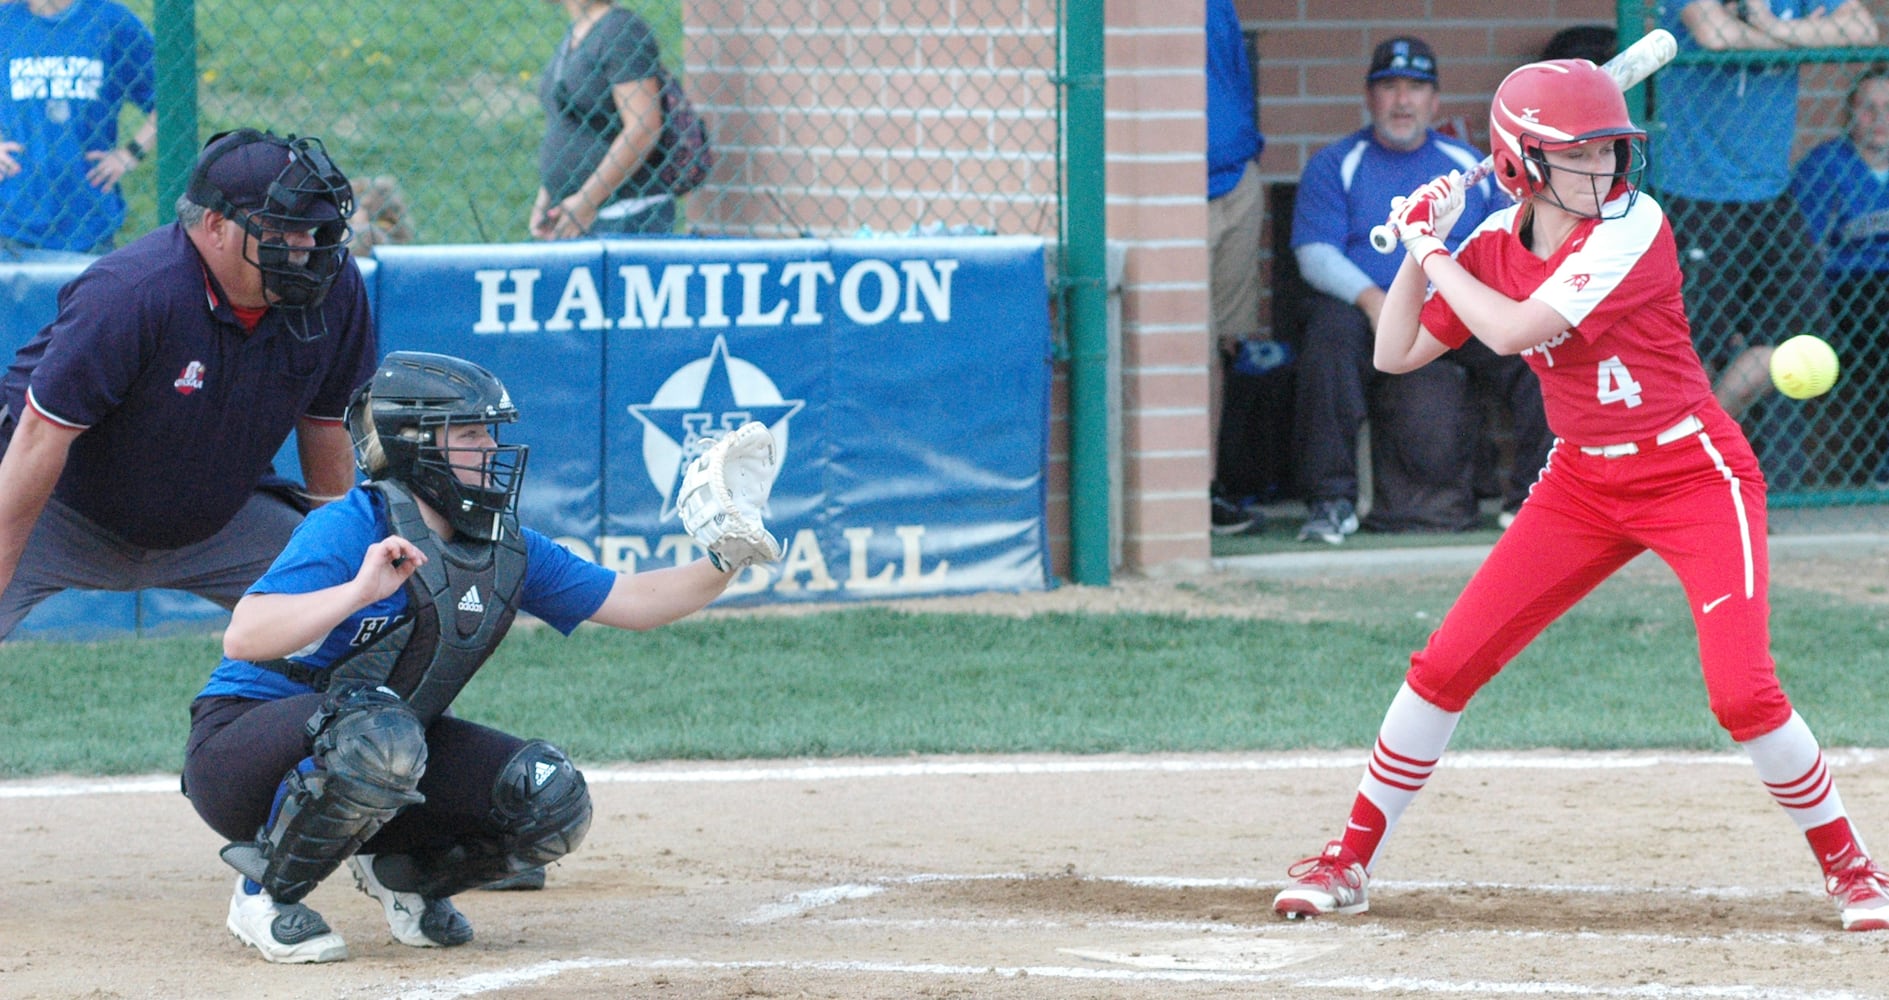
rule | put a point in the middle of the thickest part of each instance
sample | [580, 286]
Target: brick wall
[833, 116]
[784, 80]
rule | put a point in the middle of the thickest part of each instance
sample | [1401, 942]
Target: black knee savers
[541, 810]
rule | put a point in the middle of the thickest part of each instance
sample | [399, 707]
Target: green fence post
[1085, 272]
[1630, 27]
[175, 32]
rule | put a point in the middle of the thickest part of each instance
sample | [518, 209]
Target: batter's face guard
[416, 405]
[300, 231]
[1557, 105]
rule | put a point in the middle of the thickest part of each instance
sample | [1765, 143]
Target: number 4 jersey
[1625, 369]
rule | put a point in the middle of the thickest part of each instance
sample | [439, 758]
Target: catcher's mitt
[722, 494]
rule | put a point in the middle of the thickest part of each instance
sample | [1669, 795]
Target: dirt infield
[1518, 875]
[1543, 874]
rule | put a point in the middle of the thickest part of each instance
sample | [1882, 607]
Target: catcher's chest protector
[459, 607]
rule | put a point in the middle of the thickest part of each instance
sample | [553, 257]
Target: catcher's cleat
[1332, 882]
[415, 920]
[528, 880]
[1862, 894]
[290, 933]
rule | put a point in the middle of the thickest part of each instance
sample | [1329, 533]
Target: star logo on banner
[701, 401]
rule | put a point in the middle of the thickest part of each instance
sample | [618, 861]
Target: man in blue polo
[1422, 429]
[139, 427]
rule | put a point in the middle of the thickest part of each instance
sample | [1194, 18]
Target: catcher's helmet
[399, 418]
[1555, 105]
[270, 185]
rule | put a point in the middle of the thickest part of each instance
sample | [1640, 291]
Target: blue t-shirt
[1233, 137]
[68, 75]
[1846, 209]
[1727, 129]
[560, 589]
[182, 409]
[1347, 188]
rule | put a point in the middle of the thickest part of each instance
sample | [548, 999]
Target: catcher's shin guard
[541, 803]
[367, 754]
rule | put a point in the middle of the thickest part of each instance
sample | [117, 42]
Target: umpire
[138, 428]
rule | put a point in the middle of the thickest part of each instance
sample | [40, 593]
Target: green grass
[439, 94]
[1619, 672]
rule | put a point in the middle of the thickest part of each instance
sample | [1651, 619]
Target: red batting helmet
[1555, 105]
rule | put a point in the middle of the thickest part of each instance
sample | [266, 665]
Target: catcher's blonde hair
[373, 458]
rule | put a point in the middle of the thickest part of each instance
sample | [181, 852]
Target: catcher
[323, 736]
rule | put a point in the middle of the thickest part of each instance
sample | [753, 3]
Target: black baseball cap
[1403, 56]
[271, 175]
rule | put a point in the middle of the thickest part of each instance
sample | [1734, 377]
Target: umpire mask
[278, 188]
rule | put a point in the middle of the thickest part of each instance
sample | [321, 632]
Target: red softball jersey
[1625, 369]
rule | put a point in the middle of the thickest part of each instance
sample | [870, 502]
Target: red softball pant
[1699, 503]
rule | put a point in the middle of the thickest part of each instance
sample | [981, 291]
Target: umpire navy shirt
[182, 409]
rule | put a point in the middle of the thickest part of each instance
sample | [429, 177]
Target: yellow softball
[1803, 366]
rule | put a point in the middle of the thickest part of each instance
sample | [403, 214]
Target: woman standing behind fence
[602, 98]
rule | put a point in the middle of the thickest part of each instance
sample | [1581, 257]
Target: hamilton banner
[906, 381]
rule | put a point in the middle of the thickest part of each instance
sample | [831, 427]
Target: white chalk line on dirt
[453, 989]
[801, 903]
[1794, 939]
[667, 774]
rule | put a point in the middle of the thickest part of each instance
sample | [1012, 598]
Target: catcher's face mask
[462, 470]
[430, 422]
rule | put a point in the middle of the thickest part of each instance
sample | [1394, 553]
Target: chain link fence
[825, 118]
[1771, 166]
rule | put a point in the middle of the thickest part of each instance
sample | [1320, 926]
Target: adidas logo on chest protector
[470, 602]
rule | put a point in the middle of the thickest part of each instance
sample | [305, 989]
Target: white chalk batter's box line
[802, 903]
[468, 986]
[1268, 947]
[818, 771]
[1795, 939]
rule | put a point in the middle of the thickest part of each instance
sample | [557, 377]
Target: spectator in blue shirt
[71, 66]
[1842, 188]
[1418, 420]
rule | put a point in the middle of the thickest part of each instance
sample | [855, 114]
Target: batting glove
[1423, 220]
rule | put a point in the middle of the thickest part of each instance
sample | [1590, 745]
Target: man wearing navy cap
[1423, 427]
[139, 427]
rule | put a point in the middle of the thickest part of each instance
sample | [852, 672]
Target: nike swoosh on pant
[1709, 605]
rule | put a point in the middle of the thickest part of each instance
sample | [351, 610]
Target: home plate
[1218, 953]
